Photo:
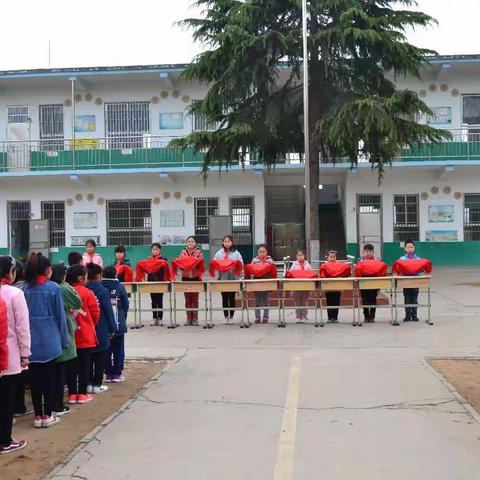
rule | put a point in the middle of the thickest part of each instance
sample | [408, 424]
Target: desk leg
[429, 307]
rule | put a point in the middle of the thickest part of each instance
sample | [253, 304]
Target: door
[18, 228]
[369, 222]
[242, 212]
[218, 227]
[18, 137]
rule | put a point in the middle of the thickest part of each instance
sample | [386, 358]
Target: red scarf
[301, 274]
[225, 265]
[260, 270]
[125, 270]
[41, 279]
[151, 265]
[335, 270]
[187, 264]
[371, 268]
[6, 281]
[412, 267]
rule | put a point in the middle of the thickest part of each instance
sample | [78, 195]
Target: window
[369, 204]
[127, 123]
[51, 127]
[471, 110]
[17, 115]
[129, 222]
[471, 216]
[203, 209]
[200, 123]
[55, 213]
[242, 212]
[405, 218]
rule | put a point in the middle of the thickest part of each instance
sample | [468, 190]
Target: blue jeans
[116, 356]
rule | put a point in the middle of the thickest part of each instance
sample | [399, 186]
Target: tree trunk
[313, 240]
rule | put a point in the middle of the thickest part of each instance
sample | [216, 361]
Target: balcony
[145, 151]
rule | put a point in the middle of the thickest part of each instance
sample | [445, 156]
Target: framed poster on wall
[441, 236]
[441, 213]
[441, 116]
[85, 220]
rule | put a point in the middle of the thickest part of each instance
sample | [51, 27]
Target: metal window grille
[19, 211]
[127, 124]
[471, 216]
[369, 204]
[200, 123]
[471, 110]
[17, 115]
[242, 212]
[129, 222]
[405, 218]
[55, 213]
[51, 127]
[203, 209]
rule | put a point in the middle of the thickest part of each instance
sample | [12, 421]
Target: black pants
[20, 407]
[98, 363]
[42, 384]
[410, 296]
[333, 298]
[228, 302]
[78, 372]
[60, 381]
[369, 297]
[8, 384]
[157, 305]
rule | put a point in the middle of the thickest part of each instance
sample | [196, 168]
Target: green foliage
[252, 65]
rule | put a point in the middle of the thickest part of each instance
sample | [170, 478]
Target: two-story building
[87, 149]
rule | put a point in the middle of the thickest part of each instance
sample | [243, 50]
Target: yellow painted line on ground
[286, 443]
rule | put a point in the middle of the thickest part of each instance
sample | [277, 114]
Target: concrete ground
[299, 403]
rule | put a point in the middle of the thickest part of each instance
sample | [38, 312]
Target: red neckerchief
[6, 281]
[41, 279]
[302, 265]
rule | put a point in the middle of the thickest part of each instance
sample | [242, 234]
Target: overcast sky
[125, 32]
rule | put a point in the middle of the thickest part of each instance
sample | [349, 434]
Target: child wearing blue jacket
[120, 305]
[49, 335]
[105, 329]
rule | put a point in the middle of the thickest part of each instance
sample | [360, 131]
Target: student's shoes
[50, 421]
[81, 399]
[15, 446]
[65, 411]
[89, 388]
[38, 422]
[22, 414]
[335, 320]
[108, 378]
[118, 378]
[257, 320]
[414, 319]
[407, 319]
[265, 320]
[194, 323]
[100, 389]
[73, 399]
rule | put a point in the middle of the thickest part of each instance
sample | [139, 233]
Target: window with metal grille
[129, 222]
[17, 115]
[405, 218]
[51, 127]
[19, 210]
[54, 212]
[203, 209]
[242, 212]
[200, 123]
[369, 203]
[471, 216]
[471, 110]
[127, 124]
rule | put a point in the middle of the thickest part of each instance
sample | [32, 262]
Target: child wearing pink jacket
[90, 256]
[301, 298]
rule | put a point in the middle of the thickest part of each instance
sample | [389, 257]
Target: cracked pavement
[370, 406]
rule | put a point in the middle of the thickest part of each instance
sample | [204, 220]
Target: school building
[87, 150]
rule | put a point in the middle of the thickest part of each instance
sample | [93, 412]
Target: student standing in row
[262, 299]
[410, 295]
[78, 371]
[49, 335]
[301, 298]
[90, 255]
[71, 303]
[122, 265]
[228, 251]
[105, 329]
[15, 308]
[120, 305]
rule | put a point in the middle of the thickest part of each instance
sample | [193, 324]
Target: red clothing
[335, 270]
[371, 268]
[87, 318]
[151, 265]
[260, 270]
[414, 266]
[125, 271]
[3, 336]
[191, 264]
[301, 274]
[225, 265]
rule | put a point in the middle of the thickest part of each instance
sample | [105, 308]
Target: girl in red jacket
[87, 318]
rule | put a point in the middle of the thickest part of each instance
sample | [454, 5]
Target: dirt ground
[464, 375]
[47, 447]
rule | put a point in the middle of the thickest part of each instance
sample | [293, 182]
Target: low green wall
[134, 254]
[440, 253]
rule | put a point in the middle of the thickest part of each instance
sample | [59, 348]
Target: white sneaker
[38, 422]
[50, 421]
[89, 388]
[100, 389]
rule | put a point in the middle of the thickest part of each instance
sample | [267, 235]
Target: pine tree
[253, 66]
